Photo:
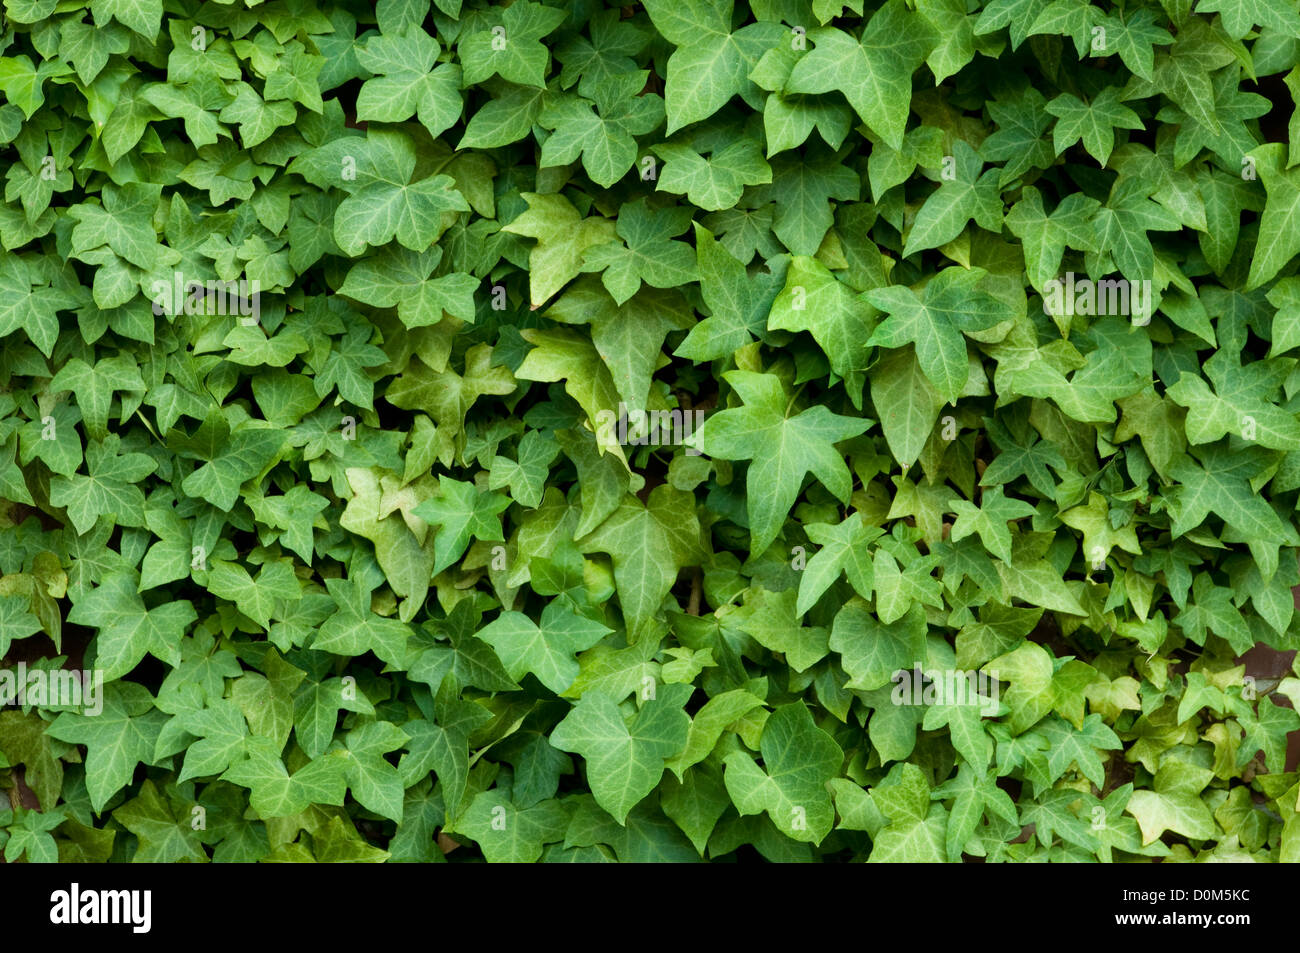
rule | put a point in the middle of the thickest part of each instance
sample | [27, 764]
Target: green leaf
[601, 132]
[625, 759]
[874, 72]
[1092, 122]
[512, 48]
[966, 196]
[711, 62]
[544, 650]
[814, 300]
[407, 83]
[273, 792]
[842, 548]
[94, 388]
[935, 321]
[460, 512]
[990, 519]
[738, 305]
[798, 759]
[782, 449]
[1278, 227]
[354, 629]
[509, 835]
[117, 739]
[563, 235]
[648, 544]
[127, 629]
[385, 204]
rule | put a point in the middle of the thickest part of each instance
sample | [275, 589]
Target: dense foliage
[376, 560]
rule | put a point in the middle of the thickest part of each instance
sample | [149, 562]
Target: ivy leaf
[30, 835]
[293, 514]
[526, 476]
[1099, 535]
[1071, 18]
[968, 196]
[907, 403]
[1268, 732]
[603, 136]
[1238, 404]
[460, 512]
[242, 457]
[354, 629]
[625, 759]
[1279, 226]
[712, 61]
[1173, 805]
[798, 759]
[1067, 746]
[510, 835]
[16, 622]
[935, 321]
[814, 300]
[772, 621]
[316, 708]
[514, 49]
[127, 629]
[256, 598]
[443, 744]
[738, 305]
[1054, 815]
[385, 204]
[117, 739]
[976, 794]
[1018, 15]
[273, 792]
[30, 306]
[142, 16]
[648, 545]
[398, 277]
[646, 252]
[1211, 611]
[545, 650]
[222, 733]
[874, 72]
[257, 118]
[373, 781]
[407, 83]
[782, 449]
[872, 651]
[563, 235]
[843, 548]
[1045, 237]
[989, 519]
[95, 386]
[108, 489]
[1238, 18]
[1134, 38]
[1219, 484]
[803, 190]
[1092, 122]
[716, 182]
[23, 81]
[1123, 223]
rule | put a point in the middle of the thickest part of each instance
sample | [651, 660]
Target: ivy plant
[693, 430]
